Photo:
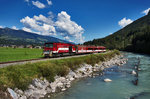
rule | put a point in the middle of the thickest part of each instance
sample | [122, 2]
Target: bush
[116, 52]
[62, 70]
[48, 71]
[101, 57]
[73, 63]
[17, 79]
[92, 59]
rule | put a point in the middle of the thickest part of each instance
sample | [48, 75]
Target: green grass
[15, 54]
[21, 76]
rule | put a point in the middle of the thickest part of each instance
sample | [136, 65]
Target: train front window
[49, 45]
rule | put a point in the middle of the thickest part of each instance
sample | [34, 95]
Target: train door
[76, 48]
[70, 49]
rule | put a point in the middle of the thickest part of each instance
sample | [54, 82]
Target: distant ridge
[19, 37]
[134, 37]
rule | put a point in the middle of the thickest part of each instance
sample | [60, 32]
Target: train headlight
[46, 52]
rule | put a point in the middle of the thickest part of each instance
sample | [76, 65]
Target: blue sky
[74, 20]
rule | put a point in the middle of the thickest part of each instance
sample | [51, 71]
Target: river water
[124, 85]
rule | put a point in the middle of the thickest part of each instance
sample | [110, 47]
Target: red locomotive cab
[48, 49]
[58, 49]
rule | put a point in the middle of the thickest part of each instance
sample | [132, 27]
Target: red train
[61, 49]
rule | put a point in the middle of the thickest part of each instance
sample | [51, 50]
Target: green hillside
[19, 37]
[134, 37]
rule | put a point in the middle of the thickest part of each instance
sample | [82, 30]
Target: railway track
[12, 63]
[20, 61]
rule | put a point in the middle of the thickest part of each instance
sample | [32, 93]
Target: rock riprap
[40, 87]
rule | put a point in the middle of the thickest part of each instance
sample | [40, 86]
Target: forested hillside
[134, 37]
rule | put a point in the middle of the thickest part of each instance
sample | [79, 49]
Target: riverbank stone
[12, 93]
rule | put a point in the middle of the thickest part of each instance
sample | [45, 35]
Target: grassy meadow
[14, 54]
[21, 76]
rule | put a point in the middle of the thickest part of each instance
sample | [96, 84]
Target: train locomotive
[62, 49]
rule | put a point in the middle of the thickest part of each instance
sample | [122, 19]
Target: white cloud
[14, 27]
[66, 38]
[51, 15]
[40, 24]
[49, 2]
[44, 19]
[124, 22]
[63, 26]
[1, 27]
[69, 28]
[146, 11]
[27, 29]
[38, 4]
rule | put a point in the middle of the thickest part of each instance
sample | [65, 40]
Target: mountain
[19, 37]
[134, 37]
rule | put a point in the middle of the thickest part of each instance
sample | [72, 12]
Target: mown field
[21, 76]
[15, 54]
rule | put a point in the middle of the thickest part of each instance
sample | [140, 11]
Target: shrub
[17, 79]
[116, 52]
[101, 57]
[62, 70]
[48, 71]
[92, 59]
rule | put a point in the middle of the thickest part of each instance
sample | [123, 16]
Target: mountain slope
[134, 37]
[19, 37]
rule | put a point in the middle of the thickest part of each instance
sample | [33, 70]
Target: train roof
[60, 42]
[90, 46]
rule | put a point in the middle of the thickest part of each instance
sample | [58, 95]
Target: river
[124, 84]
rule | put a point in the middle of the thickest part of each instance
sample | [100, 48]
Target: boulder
[37, 94]
[20, 92]
[133, 72]
[23, 97]
[68, 85]
[31, 86]
[139, 69]
[73, 74]
[59, 84]
[53, 86]
[63, 89]
[28, 93]
[48, 96]
[48, 90]
[12, 93]
[71, 78]
[107, 80]
[37, 83]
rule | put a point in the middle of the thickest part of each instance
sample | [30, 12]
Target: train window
[90, 48]
[49, 45]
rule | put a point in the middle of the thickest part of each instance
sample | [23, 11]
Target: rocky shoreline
[40, 87]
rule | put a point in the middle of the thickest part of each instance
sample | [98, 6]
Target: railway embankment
[35, 80]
